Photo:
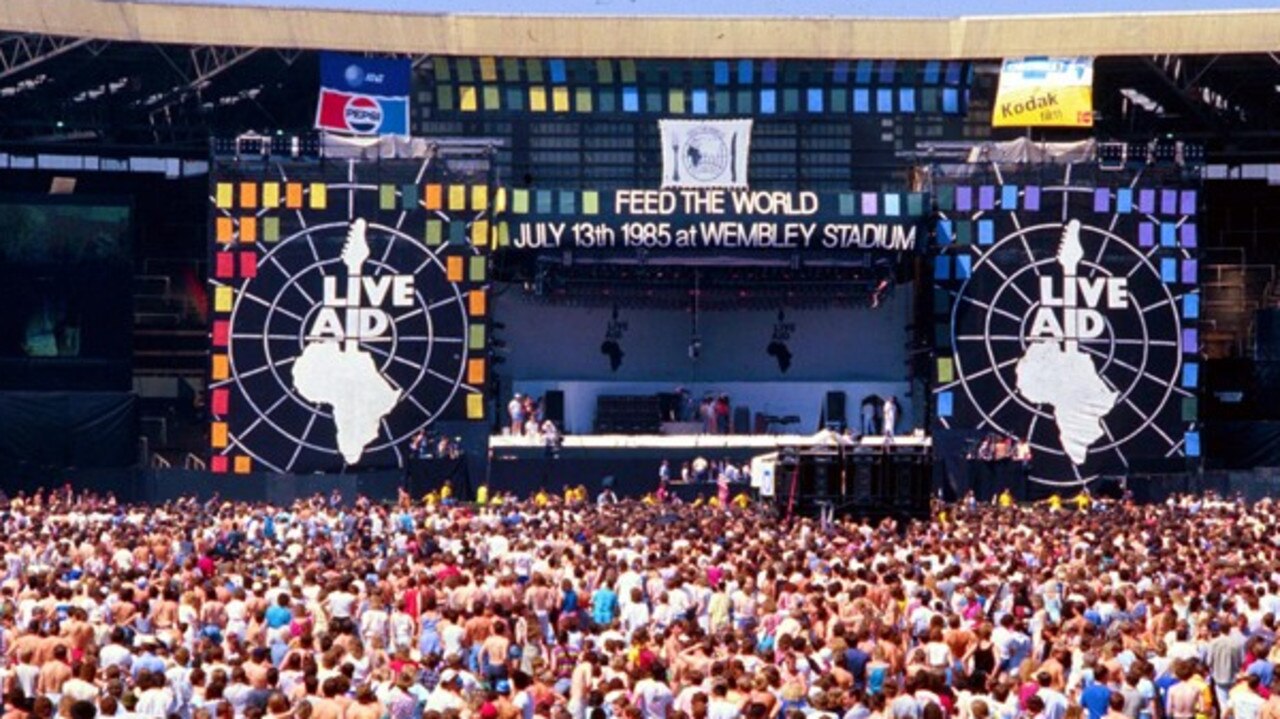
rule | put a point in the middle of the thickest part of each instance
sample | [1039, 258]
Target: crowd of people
[327, 609]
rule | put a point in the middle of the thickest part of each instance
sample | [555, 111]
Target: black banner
[1067, 320]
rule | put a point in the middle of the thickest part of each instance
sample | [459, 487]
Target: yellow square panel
[475, 406]
[223, 195]
[479, 197]
[480, 233]
[457, 197]
[538, 99]
[271, 195]
[319, 196]
[467, 98]
[223, 298]
[560, 99]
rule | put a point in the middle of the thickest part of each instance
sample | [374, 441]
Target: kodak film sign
[1045, 92]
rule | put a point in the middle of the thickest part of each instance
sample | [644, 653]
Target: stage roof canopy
[290, 25]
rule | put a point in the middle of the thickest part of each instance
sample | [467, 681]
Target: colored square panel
[224, 265]
[467, 99]
[318, 196]
[440, 66]
[608, 100]
[1146, 234]
[884, 100]
[248, 195]
[457, 195]
[248, 265]
[223, 195]
[520, 201]
[1191, 443]
[568, 202]
[887, 68]
[915, 204]
[488, 69]
[543, 198]
[720, 71]
[492, 98]
[242, 464]
[1168, 234]
[699, 102]
[458, 232]
[1147, 201]
[964, 232]
[1124, 200]
[271, 195]
[537, 99]
[906, 99]
[630, 99]
[745, 98]
[475, 406]
[503, 234]
[1168, 202]
[511, 69]
[814, 99]
[986, 232]
[870, 203]
[1191, 306]
[248, 230]
[590, 202]
[946, 404]
[434, 233]
[1168, 270]
[861, 100]
[293, 195]
[475, 337]
[930, 100]
[223, 299]
[628, 70]
[846, 205]
[479, 197]
[386, 197]
[964, 199]
[582, 100]
[1187, 235]
[932, 72]
[433, 196]
[964, 267]
[1190, 375]
[675, 101]
[409, 197]
[768, 101]
[480, 233]
[444, 99]
[946, 197]
[950, 101]
[1190, 272]
[218, 438]
[946, 369]
[839, 100]
[892, 204]
[477, 303]
[475, 372]
[515, 99]
[769, 71]
[220, 368]
[221, 333]
[942, 267]
[1031, 198]
[1190, 409]
[946, 233]
[953, 73]
[1190, 340]
[453, 269]
[218, 464]
[604, 71]
[220, 401]
[745, 72]
[557, 69]
[986, 198]
[477, 267]
[1101, 200]
[862, 75]
[560, 99]
[1187, 202]
[224, 230]
[462, 67]
[1009, 197]
[653, 101]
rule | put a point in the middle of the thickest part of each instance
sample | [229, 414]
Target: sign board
[1044, 92]
[363, 95]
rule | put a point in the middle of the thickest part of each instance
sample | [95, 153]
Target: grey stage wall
[58, 430]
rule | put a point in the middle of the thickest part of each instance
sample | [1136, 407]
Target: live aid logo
[1073, 313]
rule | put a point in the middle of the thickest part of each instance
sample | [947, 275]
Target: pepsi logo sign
[363, 115]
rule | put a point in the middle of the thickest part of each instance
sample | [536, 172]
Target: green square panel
[604, 71]
[846, 203]
[533, 71]
[722, 103]
[270, 229]
[520, 202]
[387, 197]
[492, 98]
[627, 69]
[511, 70]
[582, 99]
[465, 72]
[929, 100]
[444, 98]
[1190, 409]
[839, 100]
[435, 233]
[476, 337]
[946, 198]
[791, 100]
[441, 67]
[964, 232]
[515, 99]
[476, 271]
[744, 101]
[915, 204]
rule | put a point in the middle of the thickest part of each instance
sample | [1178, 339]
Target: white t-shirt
[654, 698]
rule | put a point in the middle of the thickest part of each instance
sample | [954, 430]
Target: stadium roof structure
[964, 37]
[108, 75]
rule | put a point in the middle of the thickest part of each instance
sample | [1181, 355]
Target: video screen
[66, 269]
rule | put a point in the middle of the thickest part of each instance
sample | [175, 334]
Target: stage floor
[762, 443]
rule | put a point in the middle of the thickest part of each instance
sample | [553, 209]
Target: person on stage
[890, 414]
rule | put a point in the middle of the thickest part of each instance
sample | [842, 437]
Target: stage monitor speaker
[833, 410]
[742, 419]
[553, 407]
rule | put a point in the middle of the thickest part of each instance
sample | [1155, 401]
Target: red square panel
[224, 266]
[218, 463]
[221, 333]
[220, 401]
[248, 264]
